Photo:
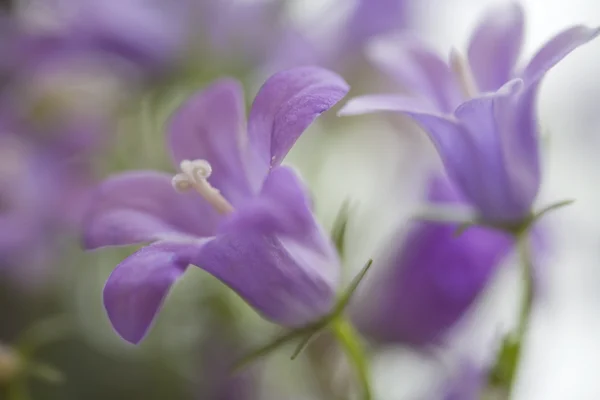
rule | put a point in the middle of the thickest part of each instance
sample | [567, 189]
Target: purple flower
[148, 34]
[340, 46]
[467, 384]
[39, 203]
[480, 114]
[247, 221]
[430, 278]
[240, 31]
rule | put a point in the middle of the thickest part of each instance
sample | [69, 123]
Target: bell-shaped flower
[480, 113]
[232, 210]
[428, 277]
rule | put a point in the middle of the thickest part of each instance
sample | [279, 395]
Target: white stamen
[194, 174]
[463, 72]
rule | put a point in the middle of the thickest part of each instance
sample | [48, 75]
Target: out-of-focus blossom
[148, 34]
[72, 59]
[251, 226]
[340, 45]
[467, 384]
[480, 113]
[238, 31]
[41, 197]
[429, 279]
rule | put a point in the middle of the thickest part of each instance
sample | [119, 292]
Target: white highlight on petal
[462, 70]
[194, 175]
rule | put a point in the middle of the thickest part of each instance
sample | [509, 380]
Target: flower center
[462, 70]
[194, 175]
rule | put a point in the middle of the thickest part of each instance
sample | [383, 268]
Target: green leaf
[338, 233]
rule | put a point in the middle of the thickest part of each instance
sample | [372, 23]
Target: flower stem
[504, 372]
[528, 288]
[352, 346]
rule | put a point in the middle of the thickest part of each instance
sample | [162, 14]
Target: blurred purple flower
[479, 114]
[339, 46]
[240, 31]
[252, 225]
[69, 60]
[467, 384]
[149, 34]
[40, 203]
[431, 279]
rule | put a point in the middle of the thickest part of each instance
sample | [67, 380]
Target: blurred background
[86, 88]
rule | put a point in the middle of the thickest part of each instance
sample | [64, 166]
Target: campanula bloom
[40, 202]
[232, 210]
[479, 112]
[429, 277]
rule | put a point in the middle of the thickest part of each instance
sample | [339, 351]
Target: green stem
[504, 372]
[352, 346]
[528, 288]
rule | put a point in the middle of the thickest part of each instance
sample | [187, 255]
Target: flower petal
[285, 281]
[283, 207]
[386, 102]
[519, 138]
[500, 193]
[419, 70]
[455, 145]
[371, 18]
[432, 280]
[209, 126]
[136, 289]
[143, 206]
[495, 46]
[285, 106]
[150, 33]
[282, 264]
[555, 50]
[426, 284]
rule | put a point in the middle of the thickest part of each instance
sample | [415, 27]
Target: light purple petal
[455, 145]
[467, 383]
[428, 277]
[457, 148]
[519, 138]
[136, 289]
[282, 264]
[495, 46]
[371, 18]
[283, 207]
[386, 102]
[499, 193]
[555, 50]
[143, 206]
[210, 126]
[285, 106]
[420, 71]
[430, 281]
[151, 33]
[283, 280]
